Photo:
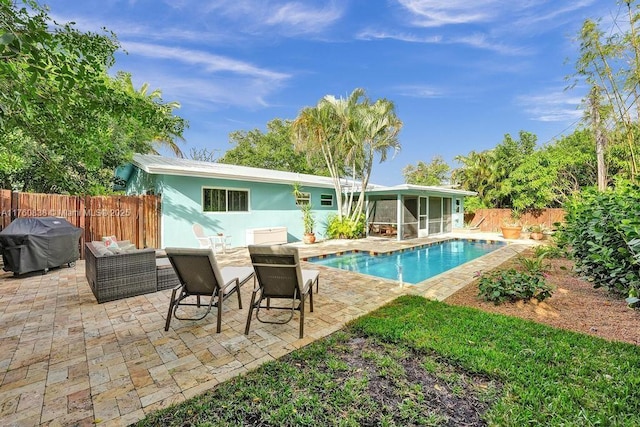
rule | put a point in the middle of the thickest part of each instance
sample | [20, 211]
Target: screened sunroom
[411, 211]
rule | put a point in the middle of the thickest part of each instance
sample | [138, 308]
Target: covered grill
[33, 244]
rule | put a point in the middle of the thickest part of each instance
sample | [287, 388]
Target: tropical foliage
[350, 134]
[65, 123]
[609, 64]
[345, 228]
[271, 150]
[434, 173]
[603, 233]
[486, 172]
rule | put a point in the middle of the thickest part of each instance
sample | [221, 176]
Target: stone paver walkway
[67, 360]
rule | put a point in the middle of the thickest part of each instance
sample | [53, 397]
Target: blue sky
[460, 73]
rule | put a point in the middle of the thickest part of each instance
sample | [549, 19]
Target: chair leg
[317, 285]
[219, 304]
[311, 299]
[239, 298]
[302, 316]
[171, 305]
[253, 300]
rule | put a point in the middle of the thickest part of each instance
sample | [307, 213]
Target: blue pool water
[415, 264]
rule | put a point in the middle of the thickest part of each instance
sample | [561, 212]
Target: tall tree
[609, 62]
[488, 171]
[167, 138]
[599, 133]
[74, 122]
[350, 134]
[550, 175]
[434, 173]
[271, 150]
[316, 131]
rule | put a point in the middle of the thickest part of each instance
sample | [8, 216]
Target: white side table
[221, 242]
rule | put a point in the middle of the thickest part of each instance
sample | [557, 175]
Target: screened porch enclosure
[408, 216]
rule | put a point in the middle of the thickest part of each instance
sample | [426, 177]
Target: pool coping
[405, 249]
[444, 284]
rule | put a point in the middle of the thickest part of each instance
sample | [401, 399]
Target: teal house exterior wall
[270, 205]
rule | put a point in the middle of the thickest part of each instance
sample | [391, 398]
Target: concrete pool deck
[67, 360]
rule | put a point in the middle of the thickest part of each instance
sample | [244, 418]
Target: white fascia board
[205, 173]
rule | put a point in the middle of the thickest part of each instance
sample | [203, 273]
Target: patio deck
[67, 360]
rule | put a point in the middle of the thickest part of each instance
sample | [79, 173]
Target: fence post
[15, 205]
[141, 234]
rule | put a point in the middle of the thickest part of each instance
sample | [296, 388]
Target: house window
[303, 198]
[326, 200]
[223, 200]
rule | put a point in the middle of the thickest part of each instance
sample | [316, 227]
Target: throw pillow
[110, 241]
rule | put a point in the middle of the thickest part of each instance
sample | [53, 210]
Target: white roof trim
[159, 165]
[425, 188]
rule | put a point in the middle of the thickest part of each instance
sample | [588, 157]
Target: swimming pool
[411, 265]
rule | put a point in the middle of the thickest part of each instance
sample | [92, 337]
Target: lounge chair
[278, 276]
[199, 276]
[477, 226]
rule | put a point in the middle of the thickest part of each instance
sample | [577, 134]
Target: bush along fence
[490, 220]
[603, 232]
[134, 218]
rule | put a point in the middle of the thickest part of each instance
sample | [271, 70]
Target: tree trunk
[601, 138]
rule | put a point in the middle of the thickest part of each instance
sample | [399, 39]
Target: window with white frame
[225, 200]
[303, 198]
[326, 200]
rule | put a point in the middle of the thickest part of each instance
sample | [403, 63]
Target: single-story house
[254, 205]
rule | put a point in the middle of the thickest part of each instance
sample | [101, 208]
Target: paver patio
[67, 360]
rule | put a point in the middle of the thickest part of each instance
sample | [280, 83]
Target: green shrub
[345, 228]
[603, 233]
[533, 264]
[512, 285]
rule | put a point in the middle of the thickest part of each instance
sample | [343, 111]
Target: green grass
[392, 367]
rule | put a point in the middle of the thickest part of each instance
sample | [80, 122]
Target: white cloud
[286, 16]
[477, 40]
[404, 37]
[212, 63]
[303, 19]
[420, 91]
[210, 94]
[436, 13]
[553, 106]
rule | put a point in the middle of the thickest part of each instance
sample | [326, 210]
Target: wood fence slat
[122, 216]
[493, 218]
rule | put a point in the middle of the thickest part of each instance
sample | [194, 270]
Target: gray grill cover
[33, 244]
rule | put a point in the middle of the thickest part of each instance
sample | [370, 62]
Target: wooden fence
[490, 220]
[134, 218]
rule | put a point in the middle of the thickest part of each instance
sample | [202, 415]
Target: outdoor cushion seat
[199, 276]
[113, 276]
[278, 275]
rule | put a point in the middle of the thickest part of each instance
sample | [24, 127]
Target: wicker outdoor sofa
[121, 275]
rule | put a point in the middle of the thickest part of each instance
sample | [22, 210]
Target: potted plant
[511, 226]
[308, 222]
[537, 232]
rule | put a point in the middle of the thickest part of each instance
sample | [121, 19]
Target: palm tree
[166, 139]
[349, 133]
[376, 133]
[314, 132]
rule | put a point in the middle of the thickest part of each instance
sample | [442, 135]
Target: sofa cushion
[118, 246]
[110, 241]
[102, 250]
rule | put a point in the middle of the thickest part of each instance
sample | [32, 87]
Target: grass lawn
[421, 362]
